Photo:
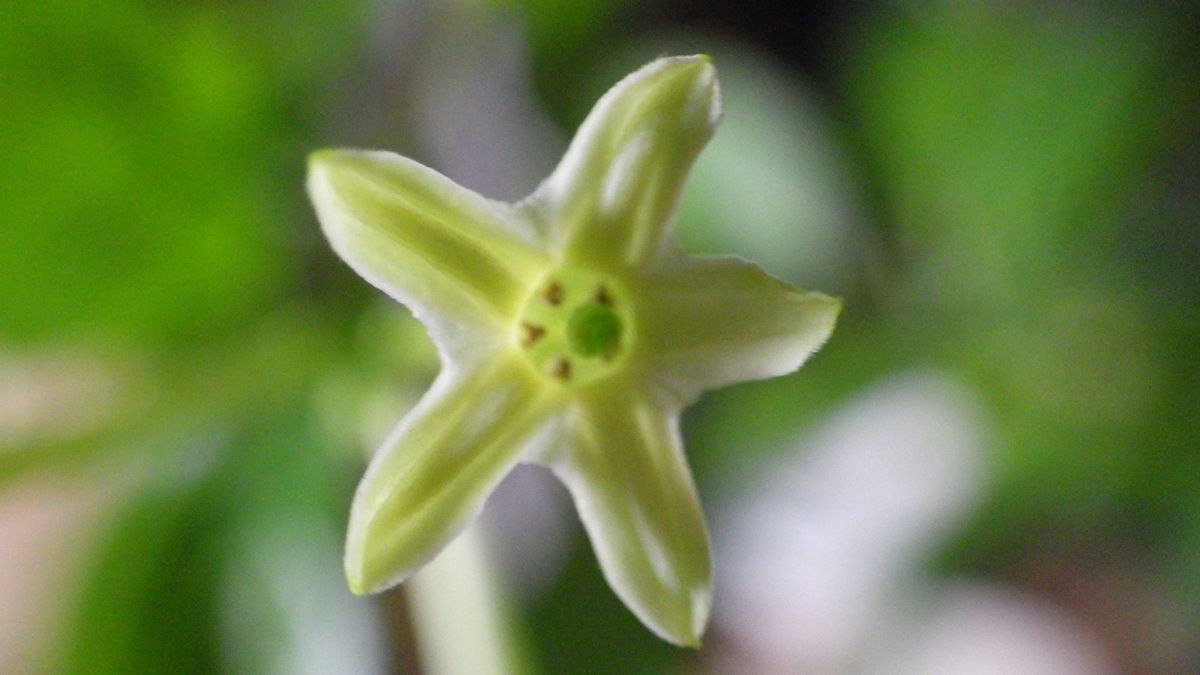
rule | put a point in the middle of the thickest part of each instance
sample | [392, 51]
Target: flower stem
[461, 615]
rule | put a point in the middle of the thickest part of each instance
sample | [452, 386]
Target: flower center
[575, 327]
[594, 330]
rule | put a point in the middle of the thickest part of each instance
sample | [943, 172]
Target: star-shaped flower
[572, 333]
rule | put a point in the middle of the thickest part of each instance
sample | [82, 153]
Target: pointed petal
[629, 479]
[708, 322]
[436, 470]
[611, 197]
[451, 255]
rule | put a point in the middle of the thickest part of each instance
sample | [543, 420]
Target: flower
[824, 558]
[572, 333]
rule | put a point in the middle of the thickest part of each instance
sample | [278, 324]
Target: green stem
[461, 616]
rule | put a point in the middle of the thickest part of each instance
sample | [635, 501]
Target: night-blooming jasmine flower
[572, 333]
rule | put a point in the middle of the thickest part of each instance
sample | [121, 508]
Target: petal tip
[324, 159]
[360, 564]
[319, 163]
[356, 586]
[363, 574]
[708, 87]
[834, 306]
[317, 156]
[355, 577]
[687, 627]
[332, 158]
[828, 309]
[690, 59]
[698, 68]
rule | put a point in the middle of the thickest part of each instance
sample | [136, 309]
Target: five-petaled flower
[572, 333]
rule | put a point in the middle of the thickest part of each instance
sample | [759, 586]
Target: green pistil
[594, 330]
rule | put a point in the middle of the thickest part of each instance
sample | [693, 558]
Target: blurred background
[993, 466]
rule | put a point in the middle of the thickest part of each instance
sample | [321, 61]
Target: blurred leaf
[133, 173]
[228, 559]
[1002, 143]
[772, 186]
[149, 161]
[285, 606]
[146, 604]
[561, 37]
[563, 23]
[732, 429]
[592, 634]
[240, 379]
[997, 136]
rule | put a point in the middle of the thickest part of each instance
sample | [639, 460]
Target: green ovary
[594, 330]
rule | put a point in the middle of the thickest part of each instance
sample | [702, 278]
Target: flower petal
[626, 471]
[708, 322]
[613, 193]
[436, 470]
[451, 255]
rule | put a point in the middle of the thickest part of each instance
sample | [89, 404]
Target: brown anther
[602, 296]
[562, 369]
[553, 293]
[530, 333]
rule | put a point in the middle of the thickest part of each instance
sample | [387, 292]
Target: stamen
[562, 369]
[531, 333]
[553, 293]
[602, 295]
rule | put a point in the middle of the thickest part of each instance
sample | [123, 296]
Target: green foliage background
[1009, 195]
